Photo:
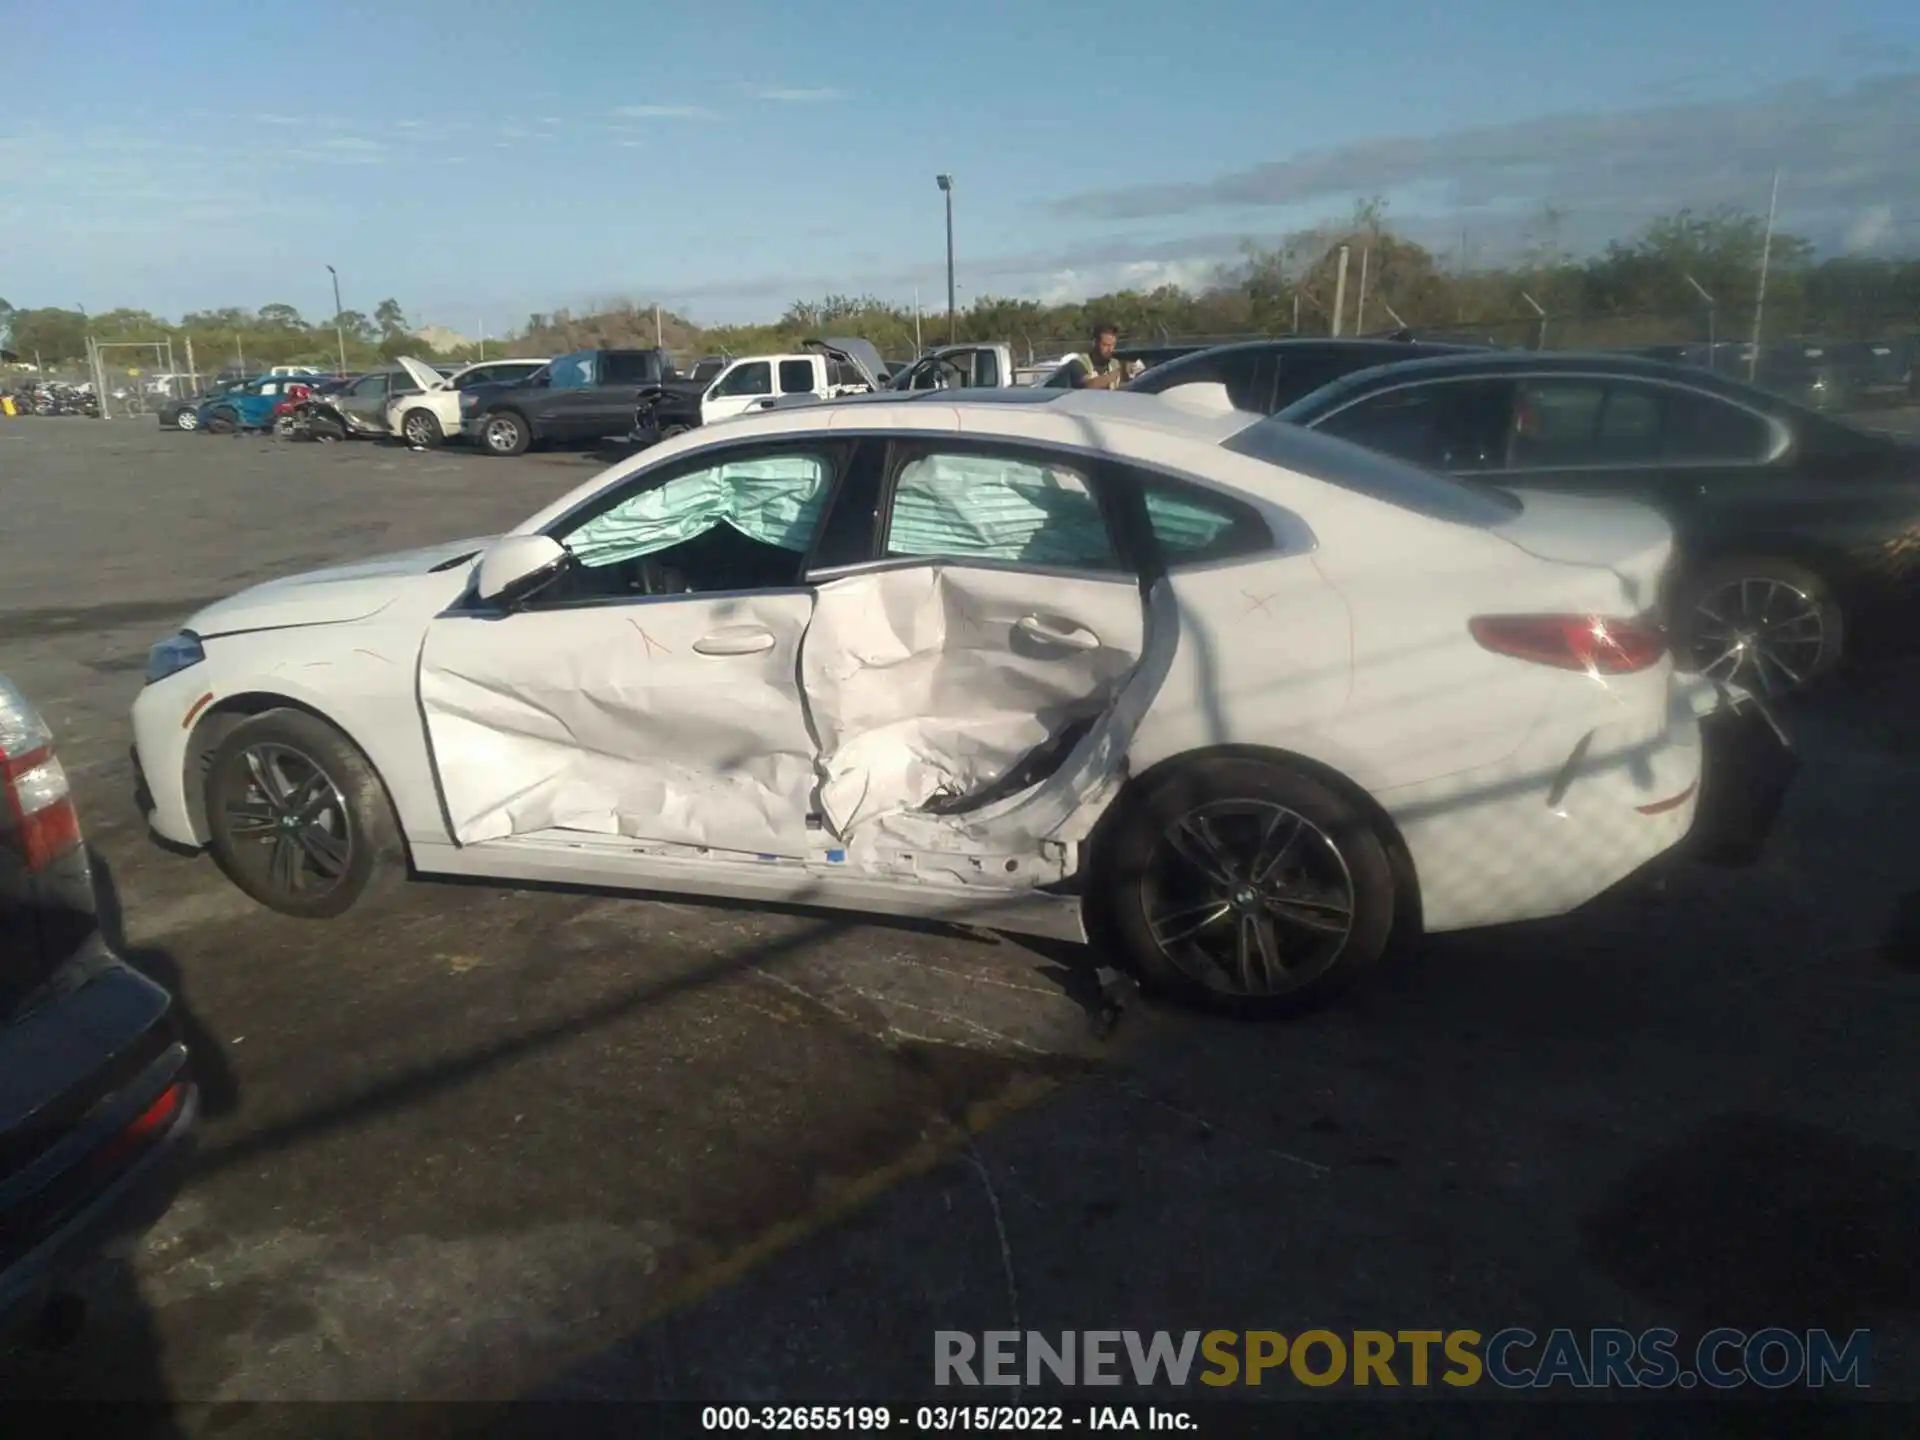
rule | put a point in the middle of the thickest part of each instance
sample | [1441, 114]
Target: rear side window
[1449, 426]
[1193, 526]
[796, 377]
[1701, 428]
[1005, 508]
[1378, 476]
[630, 369]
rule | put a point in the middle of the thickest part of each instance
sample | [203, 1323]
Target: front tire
[1245, 884]
[299, 820]
[505, 434]
[1768, 625]
[421, 429]
[223, 422]
[187, 420]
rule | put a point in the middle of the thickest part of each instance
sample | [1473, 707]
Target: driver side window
[742, 523]
[753, 378]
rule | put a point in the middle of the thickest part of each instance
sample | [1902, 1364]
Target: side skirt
[609, 864]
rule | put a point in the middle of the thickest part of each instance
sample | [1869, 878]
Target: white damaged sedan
[1241, 702]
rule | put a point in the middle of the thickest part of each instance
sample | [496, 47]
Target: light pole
[945, 182]
[339, 335]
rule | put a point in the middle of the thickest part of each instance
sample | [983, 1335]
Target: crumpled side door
[999, 619]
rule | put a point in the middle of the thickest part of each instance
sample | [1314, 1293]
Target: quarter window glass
[637, 369]
[1193, 525]
[796, 377]
[755, 378]
[1554, 423]
[990, 507]
[1699, 428]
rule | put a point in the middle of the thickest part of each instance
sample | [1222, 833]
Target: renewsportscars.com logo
[1510, 1359]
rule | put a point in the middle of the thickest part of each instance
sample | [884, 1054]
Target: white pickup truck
[826, 370]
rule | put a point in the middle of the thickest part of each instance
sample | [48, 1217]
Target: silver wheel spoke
[1172, 928]
[1200, 849]
[249, 821]
[267, 777]
[1264, 865]
[327, 850]
[285, 867]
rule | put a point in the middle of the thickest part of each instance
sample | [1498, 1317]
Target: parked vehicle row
[54, 398]
[1798, 533]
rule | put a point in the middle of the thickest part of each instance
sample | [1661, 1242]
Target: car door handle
[736, 640]
[1076, 638]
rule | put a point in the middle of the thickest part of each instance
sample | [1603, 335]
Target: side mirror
[517, 566]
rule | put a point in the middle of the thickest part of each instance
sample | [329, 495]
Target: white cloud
[798, 95]
[663, 112]
[343, 150]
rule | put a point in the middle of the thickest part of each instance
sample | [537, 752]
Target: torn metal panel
[934, 679]
[625, 719]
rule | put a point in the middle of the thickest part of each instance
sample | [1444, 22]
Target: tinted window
[753, 378]
[1302, 374]
[1700, 428]
[1013, 509]
[629, 369]
[796, 377]
[1442, 426]
[1367, 472]
[367, 386]
[511, 374]
[573, 372]
[1193, 525]
[401, 383]
[486, 375]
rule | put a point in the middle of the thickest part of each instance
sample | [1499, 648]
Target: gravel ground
[511, 1142]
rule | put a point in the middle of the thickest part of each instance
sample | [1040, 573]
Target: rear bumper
[112, 1036]
[1576, 811]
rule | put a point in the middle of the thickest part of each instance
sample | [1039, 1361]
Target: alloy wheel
[187, 420]
[502, 435]
[1759, 633]
[419, 430]
[1248, 898]
[291, 823]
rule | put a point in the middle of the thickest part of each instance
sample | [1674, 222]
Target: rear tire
[1769, 625]
[421, 429]
[223, 422]
[1244, 884]
[299, 820]
[505, 434]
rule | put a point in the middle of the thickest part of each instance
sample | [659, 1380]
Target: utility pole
[339, 335]
[1713, 357]
[658, 343]
[1540, 339]
[1360, 309]
[1340, 290]
[239, 353]
[1760, 293]
[193, 374]
[917, 347]
[945, 182]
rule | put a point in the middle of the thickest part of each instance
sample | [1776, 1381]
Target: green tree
[391, 319]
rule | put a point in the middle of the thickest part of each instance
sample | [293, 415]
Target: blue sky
[479, 159]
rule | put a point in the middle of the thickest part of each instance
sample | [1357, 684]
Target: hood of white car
[334, 595]
[423, 374]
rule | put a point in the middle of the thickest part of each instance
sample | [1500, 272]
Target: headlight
[174, 654]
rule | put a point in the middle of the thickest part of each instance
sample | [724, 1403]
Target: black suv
[587, 395]
[96, 1101]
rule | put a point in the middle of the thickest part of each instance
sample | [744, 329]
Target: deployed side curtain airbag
[776, 501]
[968, 507]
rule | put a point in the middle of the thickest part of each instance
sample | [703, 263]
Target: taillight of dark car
[37, 819]
[1590, 643]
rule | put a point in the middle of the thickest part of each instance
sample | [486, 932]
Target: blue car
[249, 406]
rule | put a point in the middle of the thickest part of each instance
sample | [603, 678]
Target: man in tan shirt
[1100, 368]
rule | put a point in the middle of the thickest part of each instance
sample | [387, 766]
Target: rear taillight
[37, 819]
[1592, 643]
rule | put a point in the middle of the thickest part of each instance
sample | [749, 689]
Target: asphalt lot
[497, 1143]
